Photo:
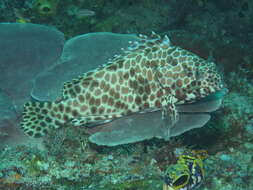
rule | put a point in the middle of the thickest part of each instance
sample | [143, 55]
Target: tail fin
[38, 118]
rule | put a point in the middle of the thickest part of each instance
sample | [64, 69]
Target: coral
[11, 168]
[147, 184]
[232, 169]
[35, 165]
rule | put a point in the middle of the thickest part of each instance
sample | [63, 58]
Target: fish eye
[181, 181]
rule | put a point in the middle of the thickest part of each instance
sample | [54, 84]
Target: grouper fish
[150, 75]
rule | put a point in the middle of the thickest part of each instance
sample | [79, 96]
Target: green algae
[35, 166]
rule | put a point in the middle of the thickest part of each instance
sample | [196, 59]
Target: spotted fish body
[150, 75]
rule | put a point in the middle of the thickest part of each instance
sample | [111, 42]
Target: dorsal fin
[148, 43]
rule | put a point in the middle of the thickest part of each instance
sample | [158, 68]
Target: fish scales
[140, 80]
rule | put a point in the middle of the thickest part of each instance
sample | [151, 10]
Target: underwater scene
[126, 95]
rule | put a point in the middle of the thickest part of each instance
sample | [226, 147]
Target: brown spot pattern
[128, 84]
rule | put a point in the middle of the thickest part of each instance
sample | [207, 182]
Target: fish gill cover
[47, 69]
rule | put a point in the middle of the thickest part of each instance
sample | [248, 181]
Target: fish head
[187, 173]
[187, 76]
[208, 79]
[177, 177]
[205, 79]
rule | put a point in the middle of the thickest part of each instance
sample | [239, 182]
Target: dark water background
[221, 30]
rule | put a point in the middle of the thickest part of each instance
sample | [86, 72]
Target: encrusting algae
[150, 75]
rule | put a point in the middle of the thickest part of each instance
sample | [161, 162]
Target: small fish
[187, 173]
[85, 13]
[150, 75]
[80, 13]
